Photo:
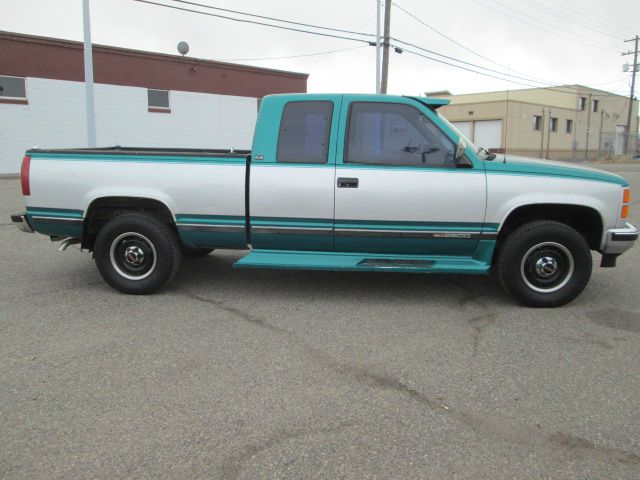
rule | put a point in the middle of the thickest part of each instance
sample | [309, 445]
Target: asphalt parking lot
[276, 374]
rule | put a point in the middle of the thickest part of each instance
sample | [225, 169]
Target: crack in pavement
[504, 429]
[589, 341]
[232, 464]
[22, 296]
[479, 323]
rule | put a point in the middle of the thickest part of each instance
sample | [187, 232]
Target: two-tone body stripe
[451, 235]
[387, 229]
[199, 227]
[57, 220]
[292, 230]
[195, 222]
[291, 226]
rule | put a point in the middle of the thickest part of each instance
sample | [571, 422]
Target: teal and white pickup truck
[336, 182]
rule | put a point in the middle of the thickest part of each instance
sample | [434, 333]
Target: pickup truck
[335, 182]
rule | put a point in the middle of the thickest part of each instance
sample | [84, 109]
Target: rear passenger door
[292, 173]
[398, 189]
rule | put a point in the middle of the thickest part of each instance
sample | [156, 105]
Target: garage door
[488, 133]
[466, 129]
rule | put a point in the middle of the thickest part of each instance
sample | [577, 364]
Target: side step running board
[293, 259]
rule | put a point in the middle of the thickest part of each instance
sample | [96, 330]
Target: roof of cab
[428, 101]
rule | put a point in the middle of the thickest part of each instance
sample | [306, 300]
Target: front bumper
[21, 222]
[619, 240]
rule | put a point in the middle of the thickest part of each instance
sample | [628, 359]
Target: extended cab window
[395, 134]
[304, 132]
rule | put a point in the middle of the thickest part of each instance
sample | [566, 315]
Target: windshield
[480, 151]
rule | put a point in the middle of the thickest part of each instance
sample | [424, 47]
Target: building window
[394, 134]
[304, 132]
[583, 103]
[537, 122]
[158, 101]
[569, 126]
[553, 124]
[13, 90]
[594, 104]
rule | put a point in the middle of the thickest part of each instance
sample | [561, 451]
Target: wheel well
[104, 209]
[585, 220]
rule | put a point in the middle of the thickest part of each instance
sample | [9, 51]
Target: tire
[190, 252]
[544, 264]
[137, 254]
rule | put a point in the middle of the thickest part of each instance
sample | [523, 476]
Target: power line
[254, 22]
[469, 63]
[467, 48]
[493, 73]
[339, 45]
[578, 38]
[467, 69]
[311, 32]
[597, 15]
[290, 56]
[291, 22]
[575, 19]
[557, 89]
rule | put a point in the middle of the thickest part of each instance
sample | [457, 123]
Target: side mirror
[462, 145]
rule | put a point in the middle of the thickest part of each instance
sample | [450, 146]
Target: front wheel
[544, 264]
[137, 253]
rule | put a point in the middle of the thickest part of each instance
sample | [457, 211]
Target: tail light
[24, 175]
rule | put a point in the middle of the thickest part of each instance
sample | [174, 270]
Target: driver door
[397, 188]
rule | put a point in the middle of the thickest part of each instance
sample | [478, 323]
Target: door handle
[347, 182]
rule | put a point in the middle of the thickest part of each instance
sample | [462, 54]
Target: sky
[541, 41]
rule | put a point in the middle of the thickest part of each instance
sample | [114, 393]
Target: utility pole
[600, 133]
[574, 141]
[385, 46]
[634, 69]
[378, 44]
[586, 146]
[549, 135]
[88, 76]
[542, 122]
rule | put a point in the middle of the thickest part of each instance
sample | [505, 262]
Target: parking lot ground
[245, 374]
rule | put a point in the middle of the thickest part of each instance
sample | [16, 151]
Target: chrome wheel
[133, 256]
[547, 267]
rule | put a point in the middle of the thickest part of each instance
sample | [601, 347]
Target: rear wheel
[544, 264]
[137, 253]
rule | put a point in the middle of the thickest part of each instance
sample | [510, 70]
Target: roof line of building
[572, 88]
[511, 100]
[59, 42]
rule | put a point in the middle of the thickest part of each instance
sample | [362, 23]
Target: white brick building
[141, 99]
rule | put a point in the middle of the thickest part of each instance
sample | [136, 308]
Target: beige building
[565, 122]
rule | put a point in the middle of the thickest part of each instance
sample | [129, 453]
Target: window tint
[395, 134]
[158, 98]
[304, 132]
[12, 87]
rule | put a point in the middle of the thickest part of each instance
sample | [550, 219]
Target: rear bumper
[619, 240]
[21, 222]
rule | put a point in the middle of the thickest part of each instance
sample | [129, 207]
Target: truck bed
[117, 150]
